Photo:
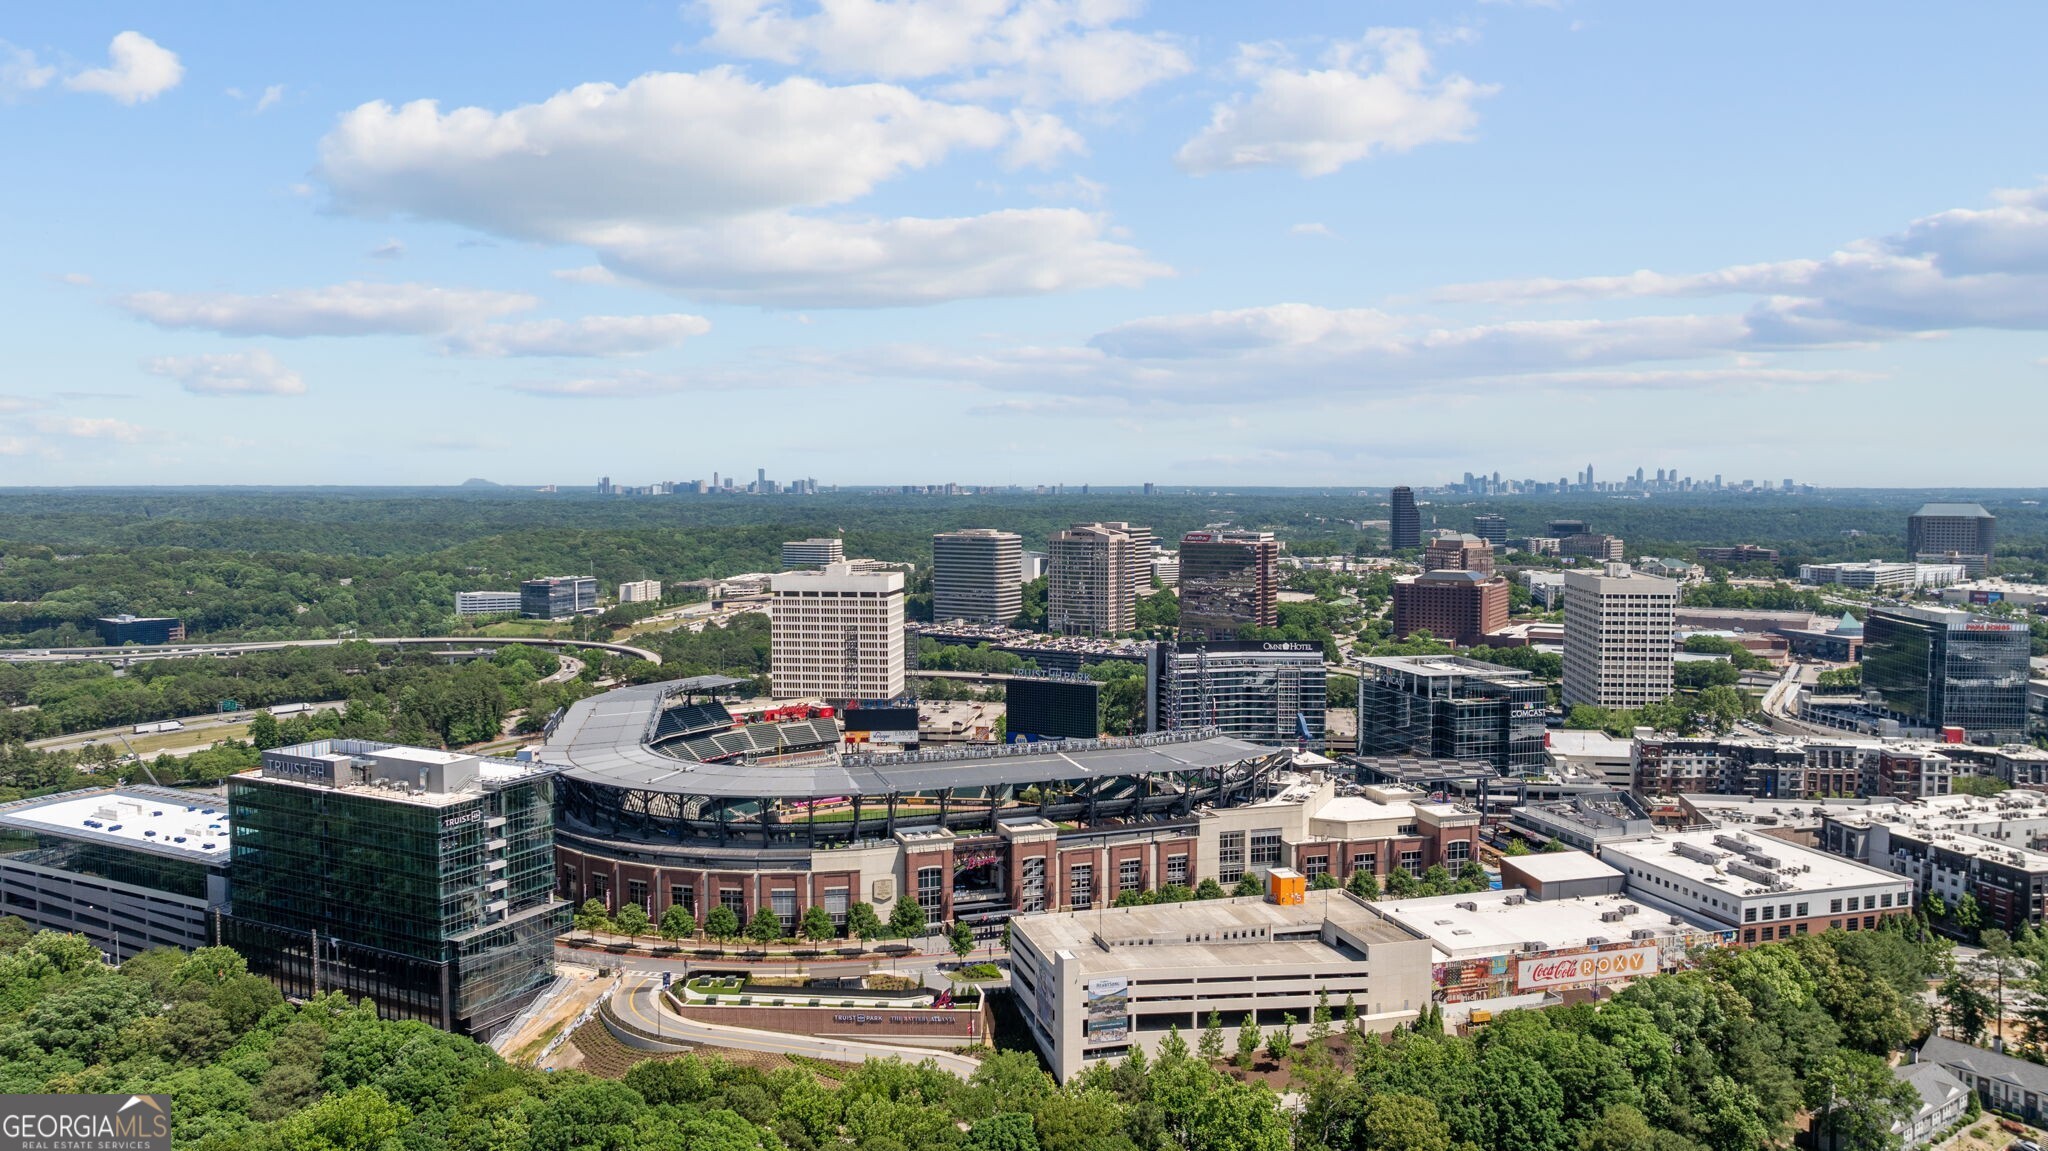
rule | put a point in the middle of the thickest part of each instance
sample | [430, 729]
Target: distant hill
[476, 483]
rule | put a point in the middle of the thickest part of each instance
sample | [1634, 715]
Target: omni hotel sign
[85, 1123]
[1554, 970]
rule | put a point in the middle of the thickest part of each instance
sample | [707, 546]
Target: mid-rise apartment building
[1760, 888]
[1491, 528]
[1229, 581]
[1090, 580]
[1618, 643]
[1593, 546]
[836, 633]
[1988, 848]
[978, 575]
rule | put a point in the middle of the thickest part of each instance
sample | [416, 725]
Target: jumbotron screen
[879, 719]
[1052, 708]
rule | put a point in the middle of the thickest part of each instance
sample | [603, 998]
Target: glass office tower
[1937, 668]
[420, 879]
[1449, 707]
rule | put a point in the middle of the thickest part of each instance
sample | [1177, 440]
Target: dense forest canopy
[262, 563]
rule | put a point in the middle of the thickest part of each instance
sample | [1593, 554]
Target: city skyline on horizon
[1205, 246]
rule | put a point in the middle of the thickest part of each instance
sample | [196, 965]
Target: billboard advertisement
[879, 719]
[1106, 1011]
[1555, 969]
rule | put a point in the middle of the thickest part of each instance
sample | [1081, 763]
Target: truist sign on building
[85, 1123]
[1551, 969]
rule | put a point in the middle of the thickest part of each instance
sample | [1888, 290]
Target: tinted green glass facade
[438, 908]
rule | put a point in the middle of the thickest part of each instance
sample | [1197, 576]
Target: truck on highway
[285, 709]
[153, 728]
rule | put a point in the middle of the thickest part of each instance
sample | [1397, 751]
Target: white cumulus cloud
[138, 69]
[799, 261]
[255, 373]
[588, 336]
[1961, 268]
[700, 182]
[667, 148]
[1039, 51]
[351, 309]
[1373, 95]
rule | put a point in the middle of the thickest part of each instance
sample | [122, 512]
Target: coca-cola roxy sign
[1553, 970]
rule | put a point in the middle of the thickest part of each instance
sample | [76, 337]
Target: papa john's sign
[1555, 970]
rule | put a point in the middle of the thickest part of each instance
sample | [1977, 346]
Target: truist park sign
[1553, 970]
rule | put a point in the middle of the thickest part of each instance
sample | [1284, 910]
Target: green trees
[722, 924]
[1364, 884]
[862, 923]
[906, 919]
[817, 925]
[961, 940]
[1210, 1047]
[1248, 1039]
[1247, 886]
[593, 917]
[677, 924]
[631, 921]
[766, 926]
[1208, 889]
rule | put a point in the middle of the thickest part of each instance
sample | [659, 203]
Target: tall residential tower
[977, 574]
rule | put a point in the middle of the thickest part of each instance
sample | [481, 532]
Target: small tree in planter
[766, 927]
[723, 925]
[677, 924]
[632, 921]
[593, 917]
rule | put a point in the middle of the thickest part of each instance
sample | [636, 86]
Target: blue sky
[1021, 241]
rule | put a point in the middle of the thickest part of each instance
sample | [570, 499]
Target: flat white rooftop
[1803, 868]
[1562, 866]
[1167, 928]
[190, 826]
[1493, 922]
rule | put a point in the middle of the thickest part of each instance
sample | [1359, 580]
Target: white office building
[1093, 984]
[812, 553]
[640, 591]
[836, 633]
[487, 603]
[1618, 642]
[977, 574]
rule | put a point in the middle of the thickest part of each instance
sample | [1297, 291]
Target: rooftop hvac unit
[1628, 909]
[1468, 905]
[1535, 945]
[1677, 922]
[1515, 900]
[1610, 917]
[1642, 933]
[1597, 940]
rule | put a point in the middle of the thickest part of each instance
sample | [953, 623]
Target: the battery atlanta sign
[1554, 970]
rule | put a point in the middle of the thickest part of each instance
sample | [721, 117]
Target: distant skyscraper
[977, 574]
[1089, 581]
[1618, 625]
[1404, 520]
[1229, 581]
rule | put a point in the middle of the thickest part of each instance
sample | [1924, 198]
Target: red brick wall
[966, 1027]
